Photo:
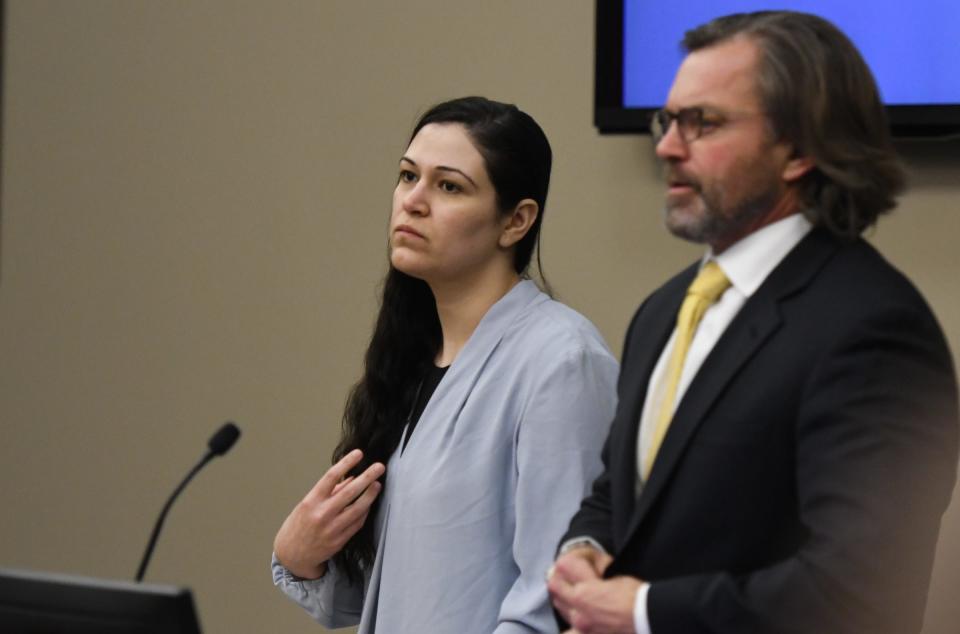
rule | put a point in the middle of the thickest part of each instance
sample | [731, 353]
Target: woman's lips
[409, 231]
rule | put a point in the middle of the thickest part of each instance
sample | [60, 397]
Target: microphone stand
[163, 514]
[218, 445]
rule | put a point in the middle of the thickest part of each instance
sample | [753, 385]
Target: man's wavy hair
[820, 96]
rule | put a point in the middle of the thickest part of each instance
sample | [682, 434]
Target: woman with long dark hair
[476, 427]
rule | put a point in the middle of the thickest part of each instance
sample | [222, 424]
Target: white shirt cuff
[640, 621]
[583, 540]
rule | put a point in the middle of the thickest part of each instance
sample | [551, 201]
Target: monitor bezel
[611, 116]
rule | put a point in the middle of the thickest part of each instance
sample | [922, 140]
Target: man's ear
[518, 222]
[797, 167]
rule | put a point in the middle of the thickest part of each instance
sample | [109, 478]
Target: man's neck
[787, 205]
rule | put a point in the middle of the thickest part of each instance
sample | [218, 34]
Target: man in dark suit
[785, 441]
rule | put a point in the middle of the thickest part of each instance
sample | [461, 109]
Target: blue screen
[912, 47]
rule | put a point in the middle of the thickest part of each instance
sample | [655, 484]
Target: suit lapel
[754, 325]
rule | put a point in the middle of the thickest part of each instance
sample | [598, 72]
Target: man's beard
[705, 218]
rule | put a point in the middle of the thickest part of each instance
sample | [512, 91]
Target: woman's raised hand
[329, 515]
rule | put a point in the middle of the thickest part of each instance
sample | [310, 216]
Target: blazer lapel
[757, 321]
[442, 411]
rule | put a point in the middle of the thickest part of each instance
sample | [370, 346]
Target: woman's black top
[427, 387]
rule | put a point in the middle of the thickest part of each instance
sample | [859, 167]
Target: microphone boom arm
[219, 444]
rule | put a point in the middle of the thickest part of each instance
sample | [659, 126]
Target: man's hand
[591, 604]
[581, 563]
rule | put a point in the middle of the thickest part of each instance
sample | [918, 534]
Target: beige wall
[193, 228]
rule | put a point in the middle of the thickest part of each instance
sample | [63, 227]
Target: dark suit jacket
[801, 483]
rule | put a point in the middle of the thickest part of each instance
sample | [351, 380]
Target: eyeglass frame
[658, 130]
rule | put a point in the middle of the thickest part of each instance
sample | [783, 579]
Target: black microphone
[219, 444]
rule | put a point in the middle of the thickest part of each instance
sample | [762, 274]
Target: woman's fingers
[332, 512]
[346, 495]
[351, 529]
[335, 474]
[348, 500]
[358, 509]
[341, 484]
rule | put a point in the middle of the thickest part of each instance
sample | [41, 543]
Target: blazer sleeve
[595, 516]
[558, 440]
[876, 460]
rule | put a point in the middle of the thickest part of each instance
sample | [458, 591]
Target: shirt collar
[748, 262]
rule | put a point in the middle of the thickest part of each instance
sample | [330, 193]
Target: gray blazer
[504, 452]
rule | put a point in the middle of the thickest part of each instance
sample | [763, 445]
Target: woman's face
[445, 226]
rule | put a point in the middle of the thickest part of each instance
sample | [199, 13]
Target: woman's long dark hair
[407, 336]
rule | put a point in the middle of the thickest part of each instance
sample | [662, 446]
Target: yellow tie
[706, 288]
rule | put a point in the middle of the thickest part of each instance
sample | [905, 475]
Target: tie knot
[710, 283]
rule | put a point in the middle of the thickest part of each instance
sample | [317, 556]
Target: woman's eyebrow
[442, 168]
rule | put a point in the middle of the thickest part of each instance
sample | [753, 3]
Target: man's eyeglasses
[691, 123]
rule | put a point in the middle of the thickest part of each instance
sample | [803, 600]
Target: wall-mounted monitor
[913, 49]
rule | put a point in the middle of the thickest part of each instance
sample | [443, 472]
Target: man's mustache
[676, 177]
